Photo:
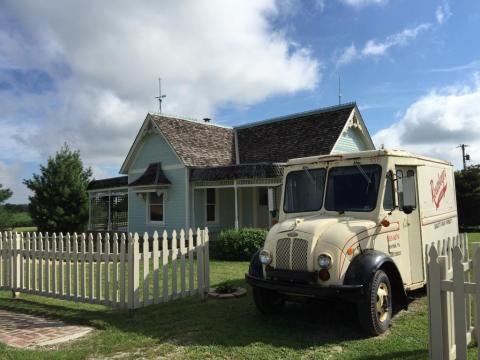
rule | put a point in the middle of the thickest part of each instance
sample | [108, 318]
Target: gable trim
[348, 124]
[138, 144]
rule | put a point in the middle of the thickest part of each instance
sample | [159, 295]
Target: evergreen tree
[60, 200]
[467, 184]
[5, 218]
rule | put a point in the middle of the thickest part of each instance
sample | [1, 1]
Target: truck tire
[267, 301]
[375, 310]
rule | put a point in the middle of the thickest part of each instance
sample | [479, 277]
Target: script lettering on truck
[439, 188]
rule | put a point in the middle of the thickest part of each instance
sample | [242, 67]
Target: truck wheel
[267, 301]
[375, 311]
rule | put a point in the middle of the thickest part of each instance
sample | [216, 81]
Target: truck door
[412, 223]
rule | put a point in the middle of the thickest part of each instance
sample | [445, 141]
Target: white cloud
[374, 48]
[9, 178]
[443, 12]
[347, 55]
[362, 3]
[435, 124]
[103, 62]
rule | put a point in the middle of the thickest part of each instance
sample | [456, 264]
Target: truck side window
[389, 196]
[400, 193]
[411, 173]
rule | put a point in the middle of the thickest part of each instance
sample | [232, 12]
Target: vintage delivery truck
[354, 227]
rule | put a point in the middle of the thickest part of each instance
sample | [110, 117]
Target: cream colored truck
[354, 227]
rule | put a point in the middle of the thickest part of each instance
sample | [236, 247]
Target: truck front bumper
[344, 292]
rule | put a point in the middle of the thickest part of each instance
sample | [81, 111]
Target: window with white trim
[156, 207]
[211, 205]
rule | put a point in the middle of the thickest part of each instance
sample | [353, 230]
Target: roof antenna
[160, 95]
[339, 91]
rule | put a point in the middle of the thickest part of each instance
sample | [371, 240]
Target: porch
[236, 196]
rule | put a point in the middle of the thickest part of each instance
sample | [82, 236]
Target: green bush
[238, 244]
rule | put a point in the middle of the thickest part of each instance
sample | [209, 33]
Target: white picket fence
[114, 271]
[450, 296]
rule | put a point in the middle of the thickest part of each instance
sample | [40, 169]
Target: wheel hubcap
[382, 302]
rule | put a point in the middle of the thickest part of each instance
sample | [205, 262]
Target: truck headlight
[324, 261]
[265, 257]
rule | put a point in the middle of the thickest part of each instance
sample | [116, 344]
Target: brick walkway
[21, 331]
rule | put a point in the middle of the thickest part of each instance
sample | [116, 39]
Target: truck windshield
[353, 188]
[304, 190]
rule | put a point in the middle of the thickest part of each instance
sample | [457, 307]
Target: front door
[263, 216]
[411, 226]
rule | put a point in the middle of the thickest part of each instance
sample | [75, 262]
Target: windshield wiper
[307, 170]
[369, 181]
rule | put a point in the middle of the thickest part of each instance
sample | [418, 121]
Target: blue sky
[88, 75]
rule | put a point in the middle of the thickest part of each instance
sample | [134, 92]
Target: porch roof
[110, 183]
[236, 172]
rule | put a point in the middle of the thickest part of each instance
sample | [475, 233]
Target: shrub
[238, 244]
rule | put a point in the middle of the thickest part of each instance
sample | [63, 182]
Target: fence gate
[451, 293]
[123, 271]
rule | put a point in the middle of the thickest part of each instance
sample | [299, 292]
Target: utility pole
[465, 157]
[339, 91]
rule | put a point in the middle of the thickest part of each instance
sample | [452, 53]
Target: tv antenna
[160, 96]
[339, 91]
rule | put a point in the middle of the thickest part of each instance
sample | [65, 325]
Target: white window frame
[150, 222]
[216, 221]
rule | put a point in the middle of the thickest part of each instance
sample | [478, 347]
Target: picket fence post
[133, 272]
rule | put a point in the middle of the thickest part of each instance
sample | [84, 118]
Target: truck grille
[292, 254]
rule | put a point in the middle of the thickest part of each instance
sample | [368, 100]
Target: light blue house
[181, 173]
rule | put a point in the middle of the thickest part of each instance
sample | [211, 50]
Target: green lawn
[190, 328]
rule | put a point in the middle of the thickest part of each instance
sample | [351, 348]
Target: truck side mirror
[272, 206]
[406, 186]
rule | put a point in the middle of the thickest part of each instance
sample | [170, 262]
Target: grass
[190, 328]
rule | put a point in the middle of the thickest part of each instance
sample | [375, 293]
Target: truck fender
[255, 268]
[364, 266]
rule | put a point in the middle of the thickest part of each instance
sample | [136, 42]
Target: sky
[86, 73]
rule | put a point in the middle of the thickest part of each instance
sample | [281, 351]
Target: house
[181, 173]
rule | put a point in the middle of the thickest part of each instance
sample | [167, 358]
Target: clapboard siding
[175, 211]
[156, 149]
[350, 141]
[226, 210]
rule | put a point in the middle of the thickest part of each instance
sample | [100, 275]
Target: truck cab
[354, 227]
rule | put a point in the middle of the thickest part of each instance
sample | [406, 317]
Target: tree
[60, 200]
[5, 218]
[467, 183]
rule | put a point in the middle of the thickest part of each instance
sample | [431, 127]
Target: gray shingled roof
[299, 135]
[198, 144]
[243, 171]
[110, 183]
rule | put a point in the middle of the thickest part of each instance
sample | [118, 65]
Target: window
[156, 207]
[211, 203]
[411, 173]
[304, 190]
[400, 189]
[389, 196]
[353, 188]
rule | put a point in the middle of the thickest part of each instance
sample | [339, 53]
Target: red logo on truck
[439, 188]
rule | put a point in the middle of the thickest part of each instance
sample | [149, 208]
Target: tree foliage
[60, 200]
[467, 183]
[5, 219]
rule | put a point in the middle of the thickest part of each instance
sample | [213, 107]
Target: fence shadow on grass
[227, 323]
[191, 321]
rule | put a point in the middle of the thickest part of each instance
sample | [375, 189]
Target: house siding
[156, 149]
[350, 141]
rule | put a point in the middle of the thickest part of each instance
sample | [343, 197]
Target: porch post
[235, 189]
[89, 211]
[109, 224]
